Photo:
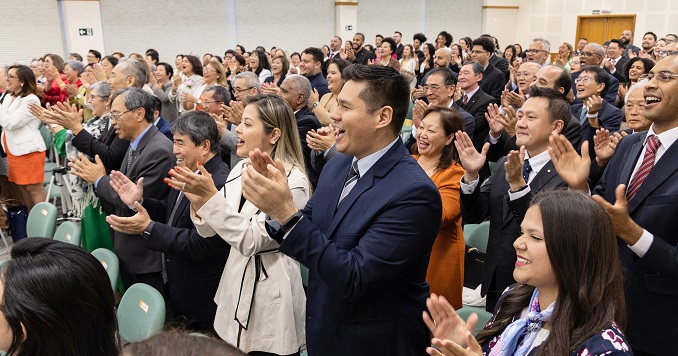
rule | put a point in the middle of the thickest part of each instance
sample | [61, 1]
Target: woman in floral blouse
[569, 299]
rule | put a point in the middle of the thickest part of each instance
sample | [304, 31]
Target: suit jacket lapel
[328, 205]
[538, 183]
[631, 159]
[661, 171]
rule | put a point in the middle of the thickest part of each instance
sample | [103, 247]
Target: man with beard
[358, 54]
[627, 40]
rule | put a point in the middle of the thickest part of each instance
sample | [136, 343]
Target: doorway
[601, 28]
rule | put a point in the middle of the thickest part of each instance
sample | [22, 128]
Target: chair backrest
[46, 136]
[110, 262]
[478, 236]
[68, 232]
[42, 220]
[141, 313]
[483, 316]
[304, 275]
[468, 229]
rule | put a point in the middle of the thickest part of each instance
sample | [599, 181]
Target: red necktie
[331, 56]
[465, 99]
[645, 167]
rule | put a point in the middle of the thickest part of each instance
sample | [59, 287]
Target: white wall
[500, 20]
[30, 29]
[82, 14]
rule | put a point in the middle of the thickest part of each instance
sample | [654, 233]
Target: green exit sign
[85, 32]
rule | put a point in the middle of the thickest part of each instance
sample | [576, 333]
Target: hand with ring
[198, 188]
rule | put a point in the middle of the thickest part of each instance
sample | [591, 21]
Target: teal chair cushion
[110, 262]
[68, 232]
[483, 316]
[141, 313]
[479, 236]
[42, 220]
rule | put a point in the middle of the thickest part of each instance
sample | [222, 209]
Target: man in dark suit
[517, 177]
[638, 191]
[615, 62]
[192, 264]
[398, 38]
[593, 55]
[475, 100]
[296, 89]
[162, 124]
[493, 81]
[358, 54]
[366, 233]
[149, 156]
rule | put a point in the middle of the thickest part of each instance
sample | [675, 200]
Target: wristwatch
[289, 224]
[314, 105]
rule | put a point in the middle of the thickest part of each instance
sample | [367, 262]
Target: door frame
[580, 17]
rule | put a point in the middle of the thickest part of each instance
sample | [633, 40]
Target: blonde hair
[214, 63]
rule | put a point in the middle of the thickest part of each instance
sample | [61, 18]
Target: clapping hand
[471, 160]
[98, 72]
[624, 226]
[313, 98]
[88, 171]
[128, 191]
[71, 89]
[133, 225]
[198, 188]
[445, 323]
[269, 88]
[515, 161]
[320, 140]
[264, 184]
[222, 125]
[418, 112]
[570, 166]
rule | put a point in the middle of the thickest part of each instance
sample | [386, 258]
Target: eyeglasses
[208, 102]
[117, 116]
[522, 74]
[666, 53]
[478, 52]
[535, 50]
[237, 90]
[433, 87]
[584, 80]
[661, 76]
[589, 54]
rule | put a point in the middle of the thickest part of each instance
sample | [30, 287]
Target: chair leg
[4, 241]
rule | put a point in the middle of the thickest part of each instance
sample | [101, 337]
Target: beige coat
[276, 321]
[20, 127]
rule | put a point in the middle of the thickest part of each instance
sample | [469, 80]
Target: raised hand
[602, 145]
[236, 111]
[493, 115]
[222, 125]
[198, 188]
[320, 140]
[264, 184]
[133, 225]
[99, 73]
[624, 226]
[313, 98]
[471, 160]
[88, 171]
[418, 112]
[515, 161]
[128, 191]
[445, 323]
[571, 167]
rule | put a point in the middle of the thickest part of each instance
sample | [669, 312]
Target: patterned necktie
[526, 170]
[351, 180]
[130, 154]
[645, 167]
[465, 101]
[582, 116]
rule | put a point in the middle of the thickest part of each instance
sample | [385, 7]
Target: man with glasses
[245, 84]
[668, 50]
[493, 81]
[614, 63]
[475, 100]
[539, 51]
[146, 162]
[593, 55]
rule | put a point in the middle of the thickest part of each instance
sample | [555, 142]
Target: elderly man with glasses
[593, 55]
[539, 51]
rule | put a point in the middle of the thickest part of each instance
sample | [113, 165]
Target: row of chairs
[42, 222]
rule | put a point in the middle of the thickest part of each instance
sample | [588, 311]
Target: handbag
[474, 262]
[17, 217]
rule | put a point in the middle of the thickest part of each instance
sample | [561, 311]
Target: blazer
[110, 148]
[610, 97]
[493, 82]
[152, 160]
[492, 200]
[367, 257]
[307, 121]
[651, 281]
[500, 63]
[169, 107]
[477, 106]
[274, 317]
[21, 129]
[164, 128]
[193, 264]
[619, 69]
[609, 116]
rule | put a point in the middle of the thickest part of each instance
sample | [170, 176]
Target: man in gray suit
[149, 156]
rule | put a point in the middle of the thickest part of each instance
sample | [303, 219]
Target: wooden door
[601, 28]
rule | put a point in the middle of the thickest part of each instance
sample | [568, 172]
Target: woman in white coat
[261, 300]
[21, 138]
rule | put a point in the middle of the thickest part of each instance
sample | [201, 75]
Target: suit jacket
[169, 107]
[363, 56]
[367, 257]
[492, 200]
[110, 148]
[477, 106]
[612, 89]
[193, 264]
[399, 51]
[21, 129]
[609, 116]
[307, 121]
[493, 82]
[229, 150]
[500, 63]
[152, 159]
[651, 281]
[164, 128]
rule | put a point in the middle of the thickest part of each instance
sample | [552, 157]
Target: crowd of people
[216, 180]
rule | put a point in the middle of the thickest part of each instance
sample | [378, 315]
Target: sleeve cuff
[469, 187]
[96, 184]
[643, 244]
[275, 225]
[493, 140]
[519, 194]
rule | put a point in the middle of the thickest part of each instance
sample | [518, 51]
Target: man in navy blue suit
[639, 192]
[366, 233]
[162, 124]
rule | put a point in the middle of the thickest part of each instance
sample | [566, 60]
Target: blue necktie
[582, 117]
[526, 170]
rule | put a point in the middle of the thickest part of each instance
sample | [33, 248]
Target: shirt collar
[539, 161]
[136, 141]
[472, 92]
[666, 138]
[365, 163]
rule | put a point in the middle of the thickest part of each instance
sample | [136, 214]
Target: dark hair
[340, 63]
[135, 98]
[259, 48]
[586, 265]
[654, 35]
[468, 40]
[512, 49]
[558, 108]
[96, 54]
[199, 126]
[398, 32]
[618, 42]
[195, 62]
[563, 81]
[52, 286]
[340, 40]
[263, 61]
[295, 54]
[584, 38]
[419, 36]
[217, 58]
[369, 47]
[485, 42]
[180, 343]
[157, 104]
[242, 49]
[384, 87]
[648, 64]
[449, 77]
[451, 121]
[432, 54]
[75, 55]
[155, 57]
[285, 64]
[600, 76]
[461, 51]
[56, 60]
[112, 60]
[118, 53]
[229, 51]
[241, 60]
[380, 36]
[221, 94]
[168, 68]
[315, 52]
[391, 42]
[449, 38]
[25, 74]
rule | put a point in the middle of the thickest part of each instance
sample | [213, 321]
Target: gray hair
[251, 79]
[102, 88]
[300, 84]
[134, 68]
[198, 126]
[546, 45]
[477, 67]
[639, 85]
[135, 98]
[76, 65]
[221, 94]
[597, 49]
